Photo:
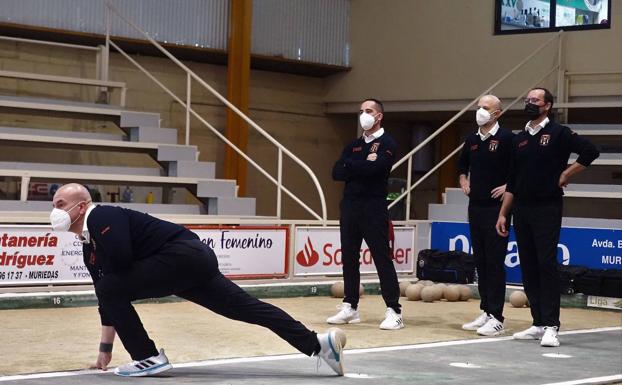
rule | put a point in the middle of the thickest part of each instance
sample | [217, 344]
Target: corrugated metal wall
[200, 23]
[307, 30]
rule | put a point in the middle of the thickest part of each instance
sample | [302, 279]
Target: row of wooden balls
[428, 291]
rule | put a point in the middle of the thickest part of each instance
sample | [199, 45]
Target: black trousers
[489, 249]
[537, 230]
[368, 219]
[188, 269]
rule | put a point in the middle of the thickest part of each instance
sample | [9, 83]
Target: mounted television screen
[523, 16]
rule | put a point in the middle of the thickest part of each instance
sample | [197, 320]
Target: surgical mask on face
[60, 219]
[482, 117]
[367, 121]
[532, 111]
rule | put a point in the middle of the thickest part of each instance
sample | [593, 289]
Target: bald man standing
[483, 167]
[132, 256]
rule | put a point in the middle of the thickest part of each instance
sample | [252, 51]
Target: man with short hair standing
[538, 174]
[364, 166]
[483, 168]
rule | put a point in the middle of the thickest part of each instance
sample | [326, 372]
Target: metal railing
[190, 75]
[409, 157]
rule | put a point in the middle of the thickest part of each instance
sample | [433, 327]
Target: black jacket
[366, 178]
[538, 161]
[488, 163]
[119, 237]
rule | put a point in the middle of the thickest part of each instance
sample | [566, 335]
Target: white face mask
[367, 121]
[482, 117]
[60, 219]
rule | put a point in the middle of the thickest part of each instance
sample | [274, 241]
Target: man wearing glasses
[538, 174]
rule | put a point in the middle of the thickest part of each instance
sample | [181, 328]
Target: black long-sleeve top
[366, 178]
[487, 163]
[538, 161]
[119, 237]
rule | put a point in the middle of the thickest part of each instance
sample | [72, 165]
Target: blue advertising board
[593, 248]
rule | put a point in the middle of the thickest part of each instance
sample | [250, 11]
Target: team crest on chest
[545, 139]
[374, 147]
[493, 145]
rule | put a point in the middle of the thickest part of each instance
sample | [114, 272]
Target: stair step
[44, 132]
[605, 159]
[231, 206]
[126, 119]
[155, 208]
[81, 168]
[455, 196]
[597, 223]
[58, 105]
[216, 188]
[188, 168]
[105, 178]
[139, 119]
[173, 152]
[597, 129]
[448, 212]
[153, 135]
[593, 191]
[80, 142]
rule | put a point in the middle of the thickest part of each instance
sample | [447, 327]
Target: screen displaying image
[581, 12]
[525, 14]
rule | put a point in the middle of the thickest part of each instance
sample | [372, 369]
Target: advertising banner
[248, 252]
[318, 251]
[37, 255]
[593, 248]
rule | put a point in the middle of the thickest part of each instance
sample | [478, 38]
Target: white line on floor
[592, 380]
[227, 361]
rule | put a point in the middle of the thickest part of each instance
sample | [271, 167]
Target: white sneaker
[146, 367]
[331, 351]
[477, 322]
[346, 315]
[392, 320]
[550, 338]
[492, 327]
[532, 333]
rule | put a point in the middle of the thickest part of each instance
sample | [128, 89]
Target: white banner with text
[318, 251]
[38, 255]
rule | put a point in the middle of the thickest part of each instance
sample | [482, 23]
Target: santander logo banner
[318, 251]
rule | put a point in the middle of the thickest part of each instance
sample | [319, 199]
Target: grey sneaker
[147, 367]
[331, 351]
